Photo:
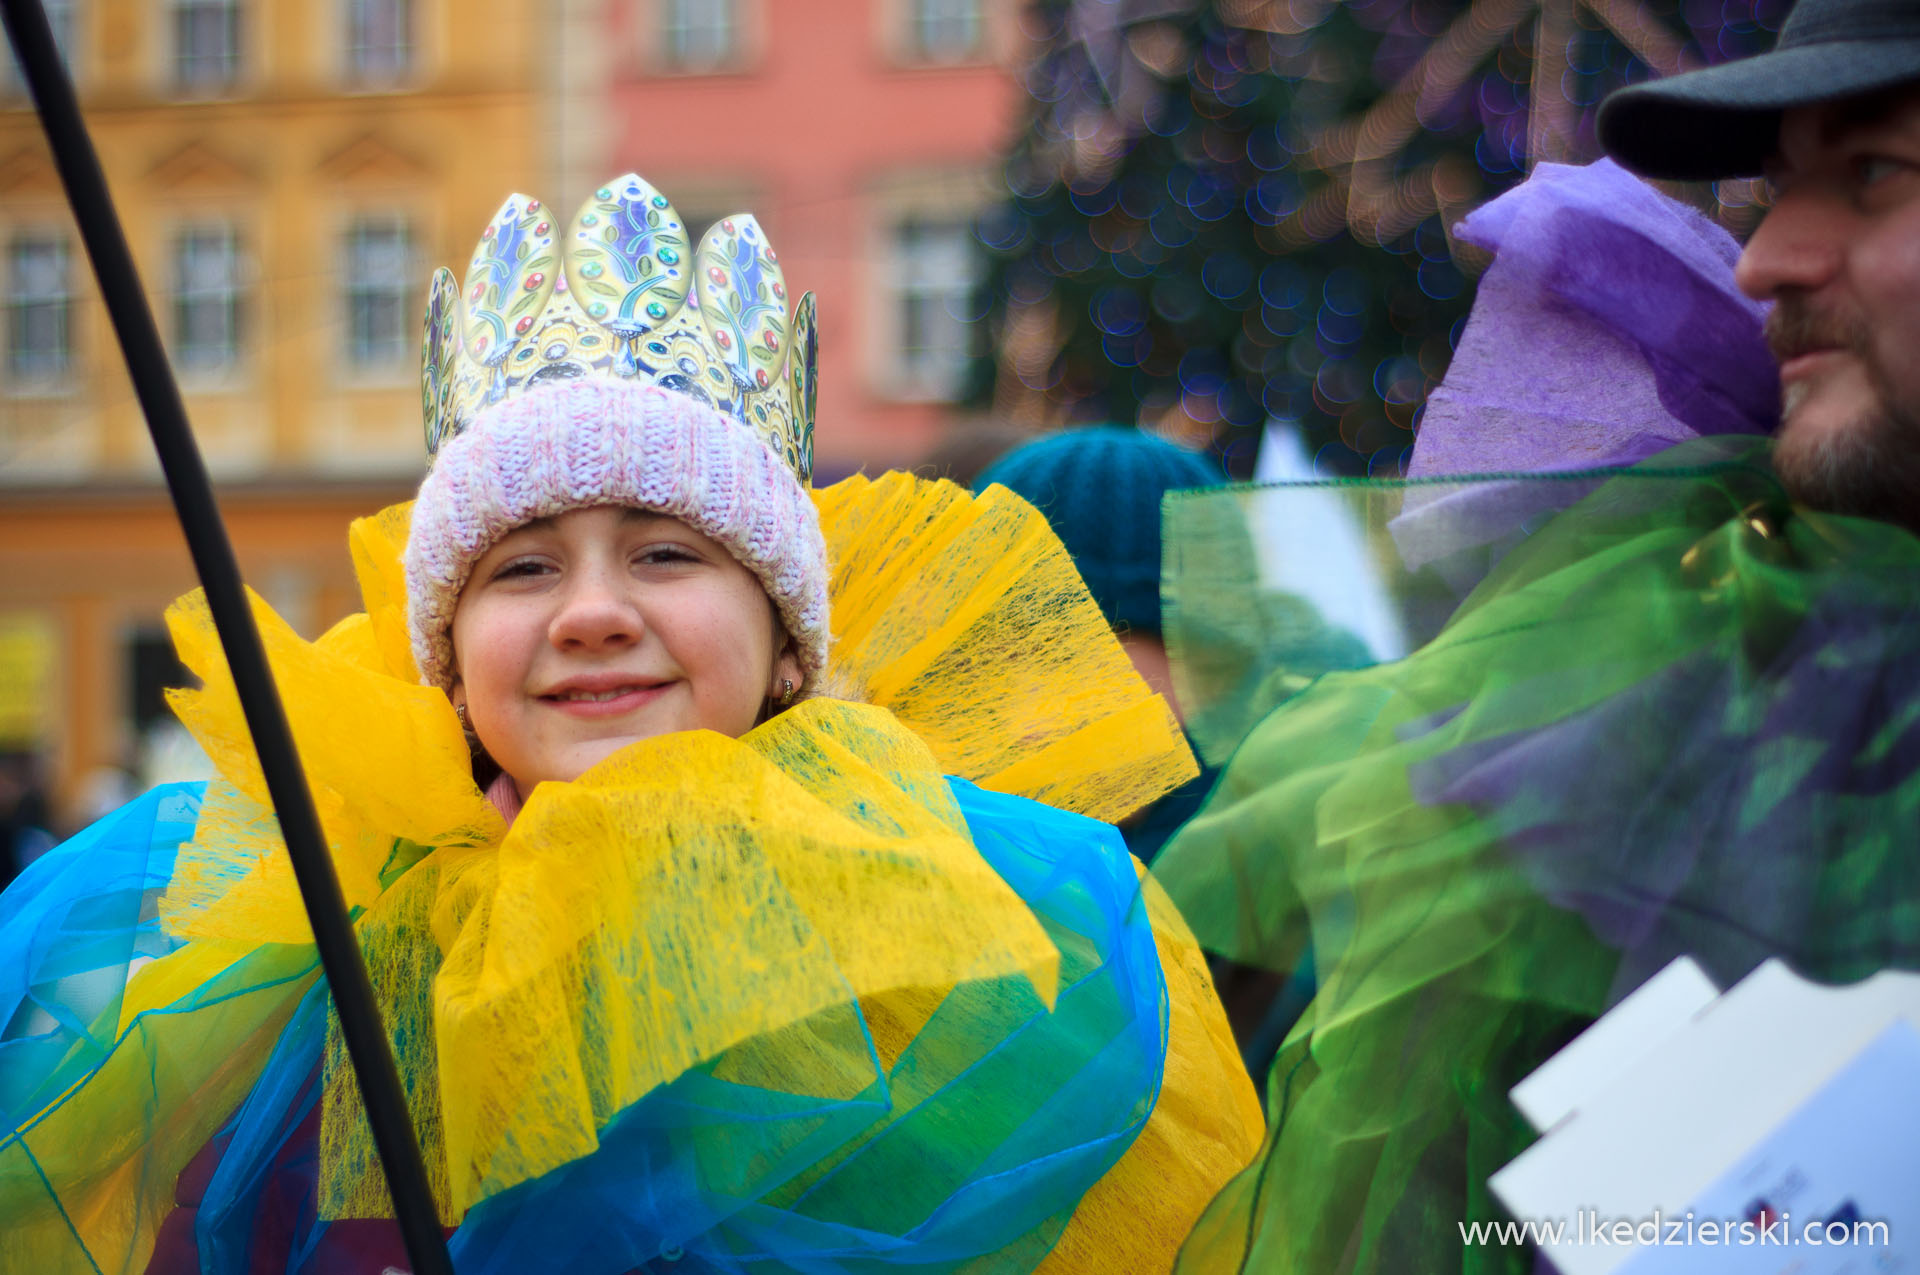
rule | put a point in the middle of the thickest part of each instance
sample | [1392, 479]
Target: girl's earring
[485, 768]
[786, 692]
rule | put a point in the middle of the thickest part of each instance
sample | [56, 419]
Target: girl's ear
[786, 670]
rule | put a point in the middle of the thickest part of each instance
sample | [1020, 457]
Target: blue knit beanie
[1100, 488]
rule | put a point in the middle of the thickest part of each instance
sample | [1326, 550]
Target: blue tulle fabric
[71, 925]
[706, 1174]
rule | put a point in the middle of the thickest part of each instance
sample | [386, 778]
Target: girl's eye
[664, 555]
[521, 567]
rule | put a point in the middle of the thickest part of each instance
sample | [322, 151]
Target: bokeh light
[1240, 209]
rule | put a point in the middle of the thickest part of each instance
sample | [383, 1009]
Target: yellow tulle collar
[962, 615]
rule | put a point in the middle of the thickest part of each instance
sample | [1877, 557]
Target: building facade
[288, 172]
[864, 134]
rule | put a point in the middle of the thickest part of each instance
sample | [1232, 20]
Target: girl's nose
[1799, 246]
[595, 612]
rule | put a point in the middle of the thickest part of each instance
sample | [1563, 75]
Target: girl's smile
[604, 694]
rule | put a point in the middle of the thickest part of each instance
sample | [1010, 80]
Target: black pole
[153, 382]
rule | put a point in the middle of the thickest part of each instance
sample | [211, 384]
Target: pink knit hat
[573, 444]
[617, 363]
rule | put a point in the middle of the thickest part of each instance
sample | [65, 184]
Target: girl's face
[579, 634]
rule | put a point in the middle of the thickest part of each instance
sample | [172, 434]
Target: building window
[208, 294]
[379, 40]
[60, 18]
[39, 309]
[206, 43]
[943, 30]
[933, 276]
[377, 283]
[699, 35]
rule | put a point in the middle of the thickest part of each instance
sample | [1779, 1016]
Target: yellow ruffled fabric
[1206, 1127]
[384, 756]
[537, 979]
[966, 617]
[585, 966]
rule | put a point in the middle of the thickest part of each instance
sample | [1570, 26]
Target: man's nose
[596, 610]
[1800, 245]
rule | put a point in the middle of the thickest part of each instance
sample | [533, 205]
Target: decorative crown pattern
[623, 295]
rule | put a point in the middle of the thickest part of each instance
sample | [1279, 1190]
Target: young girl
[650, 776]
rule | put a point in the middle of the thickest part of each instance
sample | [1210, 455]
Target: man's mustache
[1795, 328]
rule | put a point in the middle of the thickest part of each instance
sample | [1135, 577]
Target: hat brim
[1724, 121]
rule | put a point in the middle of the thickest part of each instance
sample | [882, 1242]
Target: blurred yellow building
[288, 172]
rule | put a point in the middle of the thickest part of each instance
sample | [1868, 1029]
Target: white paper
[1849, 1156]
[1672, 1123]
[1657, 1009]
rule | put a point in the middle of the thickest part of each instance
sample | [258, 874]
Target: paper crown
[616, 298]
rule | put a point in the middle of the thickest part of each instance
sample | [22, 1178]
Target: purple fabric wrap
[1608, 328]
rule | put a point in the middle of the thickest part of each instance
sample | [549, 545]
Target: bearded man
[1831, 118]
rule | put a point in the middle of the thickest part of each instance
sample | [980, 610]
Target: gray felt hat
[1724, 121]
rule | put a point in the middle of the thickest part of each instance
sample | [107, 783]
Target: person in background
[1100, 487]
[23, 815]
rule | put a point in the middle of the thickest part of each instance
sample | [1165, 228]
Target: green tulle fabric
[1644, 713]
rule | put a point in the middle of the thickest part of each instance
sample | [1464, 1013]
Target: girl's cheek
[491, 643]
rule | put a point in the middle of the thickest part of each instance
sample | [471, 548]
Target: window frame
[403, 60]
[670, 16]
[53, 379]
[185, 297]
[933, 274]
[915, 21]
[198, 84]
[363, 291]
[61, 16]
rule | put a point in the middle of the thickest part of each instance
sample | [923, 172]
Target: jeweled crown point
[614, 295]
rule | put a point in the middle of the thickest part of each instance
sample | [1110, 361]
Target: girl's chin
[590, 743]
[585, 756]
[568, 763]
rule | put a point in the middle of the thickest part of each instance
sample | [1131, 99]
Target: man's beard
[1868, 467]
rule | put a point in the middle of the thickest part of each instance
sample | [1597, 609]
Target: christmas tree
[1225, 212]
